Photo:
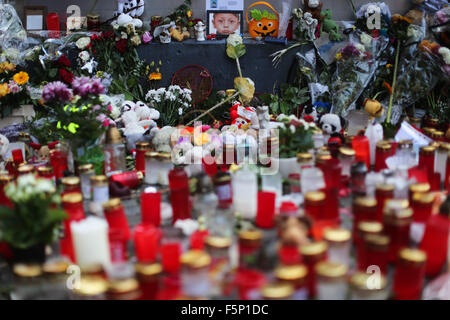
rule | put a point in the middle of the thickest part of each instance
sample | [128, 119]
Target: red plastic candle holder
[409, 274]
[146, 242]
[266, 209]
[151, 208]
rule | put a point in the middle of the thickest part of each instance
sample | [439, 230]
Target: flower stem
[376, 96]
[213, 108]
[239, 67]
[353, 6]
[394, 83]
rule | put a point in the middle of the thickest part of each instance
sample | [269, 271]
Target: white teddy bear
[162, 137]
[4, 146]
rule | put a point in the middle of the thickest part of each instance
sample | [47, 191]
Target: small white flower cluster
[445, 53]
[82, 43]
[171, 94]
[28, 186]
[292, 118]
[234, 40]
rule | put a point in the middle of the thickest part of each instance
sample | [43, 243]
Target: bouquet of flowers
[171, 102]
[13, 90]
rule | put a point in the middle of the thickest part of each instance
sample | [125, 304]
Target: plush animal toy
[309, 113]
[331, 124]
[4, 146]
[315, 8]
[162, 139]
[329, 26]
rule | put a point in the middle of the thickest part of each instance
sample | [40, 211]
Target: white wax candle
[90, 241]
[245, 193]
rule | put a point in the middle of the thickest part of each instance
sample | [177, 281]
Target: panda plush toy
[332, 126]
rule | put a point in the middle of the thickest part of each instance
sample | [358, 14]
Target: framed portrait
[222, 23]
[34, 18]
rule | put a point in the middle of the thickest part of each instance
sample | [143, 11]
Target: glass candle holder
[126, 288]
[58, 160]
[374, 253]
[99, 189]
[25, 169]
[422, 205]
[90, 288]
[219, 248]
[331, 281]
[115, 215]
[364, 209]
[409, 274]
[166, 164]
[383, 151]
[294, 183]
[437, 135]
[149, 276]
[194, 274]
[362, 288]
[73, 206]
[305, 160]
[71, 184]
[362, 149]
[55, 280]
[249, 283]
[46, 172]
[358, 179]
[314, 204]
[397, 225]
[179, 194]
[27, 282]
[312, 254]
[427, 156]
[272, 182]
[245, 193]
[151, 208]
[85, 172]
[141, 149]
[146, 242]
[294, 275]
[114, 151]
[249, 248]
[152, 167]
[418, 188]
[365, 228]
[222, 186]
[266, 209]
[339, 245]
[4, 180]
[277, 291]
[347, 157]
[383, 192]
[229, 154]
[441, 160]
[435, 241]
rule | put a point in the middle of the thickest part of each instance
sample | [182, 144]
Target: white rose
[234, 40]
[366, 39]
[124, 35]
[84, 56]
[82, 43]
[445, 53]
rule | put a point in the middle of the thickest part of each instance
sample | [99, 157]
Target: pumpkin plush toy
[263, 24]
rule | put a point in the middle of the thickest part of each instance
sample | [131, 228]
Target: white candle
[245, 193]
[90, 241]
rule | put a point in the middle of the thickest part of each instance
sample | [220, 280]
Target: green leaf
[256, 14]
[52, 73]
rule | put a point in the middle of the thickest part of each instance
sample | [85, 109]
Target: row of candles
[93, 240]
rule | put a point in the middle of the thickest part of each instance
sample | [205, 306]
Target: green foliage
[257, 15]
[286, 102]
[181, 14]
[235, 52]
[292, 143]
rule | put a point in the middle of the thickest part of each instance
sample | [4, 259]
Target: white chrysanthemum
[445, 53]
[366, 39]
[82, 43]
[84, 56]
[234, 40]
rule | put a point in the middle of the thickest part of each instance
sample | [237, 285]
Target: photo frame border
[222, 36]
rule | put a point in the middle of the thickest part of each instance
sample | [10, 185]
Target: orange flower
[21, 78]
[388, 86]
[155, 76]
[398, 17]
[426, 45]
[4, 89]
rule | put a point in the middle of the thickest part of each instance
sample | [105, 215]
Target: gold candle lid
[250, 235]
[92, 286]
[314, 248]
[277, 290]
[98, 181]
[331, 269]
[370, 227]
[428, 130]
[151, 154]
[415, 256]
[434, 144]
[123, 285]
[315, 196]
[405, 144]
[419, 187]
[149, 269]
[85, 168]
[45, 169]
[55, 267]
[154, 18]
[437, 134]
[304, 157]
[398, 214]
[25, 169]
[218, 242]
[433, 121]
[384, 146]
[27, 270]
[444, 146]
[323, 157]
[347, 152]
[6, 178]
[113, 136]
[142, 145]
[376, 240]
[112, 204]
[196, 259]
[337, 235]
[165, 156]
[291, 272]
[423, 198]
[385, 187]
[427, 150]
[74, 197]
[360, 281]
[71, 182]
[366, 202]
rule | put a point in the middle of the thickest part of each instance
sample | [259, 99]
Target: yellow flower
[388, 66]
[21, 78]
[201, 139]
[4, 89]
[6, 66]
[339, 56]
[155, 76]
[189, 14]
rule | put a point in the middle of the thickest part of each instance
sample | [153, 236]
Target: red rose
[108, 34]
[121, 45]
[95, 37]
[65, 76]
[64, 61]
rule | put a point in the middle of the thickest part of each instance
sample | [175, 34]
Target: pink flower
[13, 87]
[56, 91]
[205, 128]
[83, 86]
[147, 37]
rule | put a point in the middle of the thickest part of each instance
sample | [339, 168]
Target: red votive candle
[53, 25]
[118, 245]
[210, 166]
[17, 155]
[409, 274]
[179, 194]
[71, 185]
[374, 253]
[4, 180]
[266, 209]
[427, 158]
[383, 192]
[312, 254]
[58, 160]
[397, 225]
[146, 242]
[249, 247]
[170, 256]
[364, 209]
[418, 188]
[197, 240]
[365, 228]
[289, 255]
[151, 208]
[222, 185]
[422, 205]
[435, 241]
[115, 215]
[248, 283]
[73, 206]
[362, 150]
[314, 204]
[141, 149]
[46, 172]
[331, 205]
[131, 179]
[383, 151]
[148, 276]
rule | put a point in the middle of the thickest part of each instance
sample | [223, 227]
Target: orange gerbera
[155, 76]
[4, 89]
[388, 86]
[398, 17]
[21, 78]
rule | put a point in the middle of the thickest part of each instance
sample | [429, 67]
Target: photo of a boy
[226, 23]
